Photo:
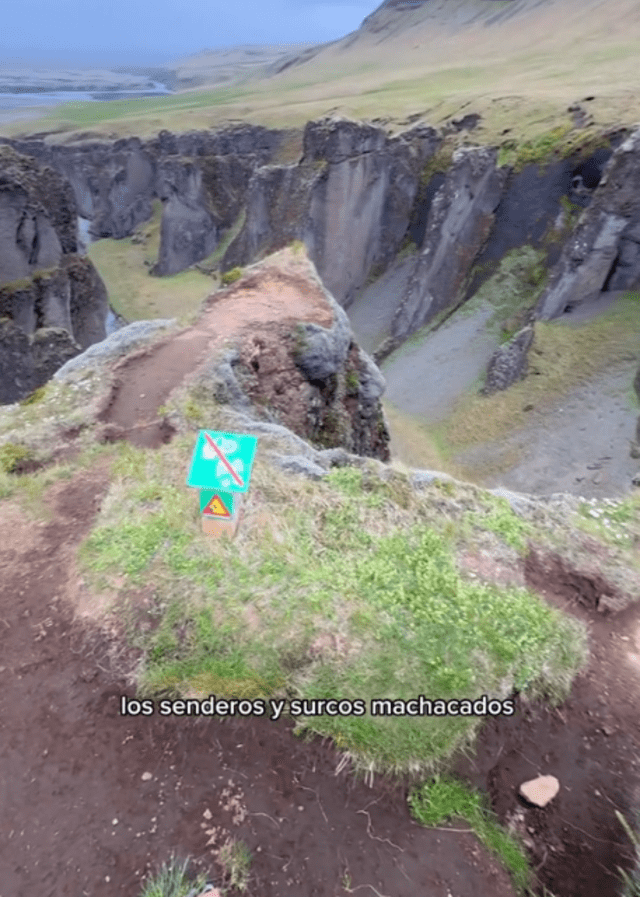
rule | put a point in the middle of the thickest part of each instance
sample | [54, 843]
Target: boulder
[508, 364]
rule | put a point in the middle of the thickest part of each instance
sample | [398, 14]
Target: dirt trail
[91, 800]
[142, 382]
[591, 744]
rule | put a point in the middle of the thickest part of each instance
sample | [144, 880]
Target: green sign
[214, 503]
[222, 461]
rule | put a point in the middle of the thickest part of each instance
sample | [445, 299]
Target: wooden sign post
[221, 469]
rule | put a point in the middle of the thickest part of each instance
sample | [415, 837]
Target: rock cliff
[201, 178]
[354, 195]
[349, 200]
[603, 252]
[44, 283]
[460, 220]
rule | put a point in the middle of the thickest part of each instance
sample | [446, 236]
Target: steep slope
[53, 303]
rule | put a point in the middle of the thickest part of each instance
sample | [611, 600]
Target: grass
[136, 295]
[562, 358]
[537, 150]
[614, 523]
[172, 880]
[212, 261]
[382, 613]
[442, 799]
[513, 83]
[500, 519]
[235, 858]
[631, 880]
[12, 454]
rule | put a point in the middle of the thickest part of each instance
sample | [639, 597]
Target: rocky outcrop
[509, 363]
[604, 250]
[43, 282]
[27, 362]
[201, 178]
[305, 373]
[349, 200]
[188, 231]
[460, 219]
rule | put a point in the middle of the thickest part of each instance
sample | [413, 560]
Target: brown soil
[91, 801]
[591, 744]
[241, 314]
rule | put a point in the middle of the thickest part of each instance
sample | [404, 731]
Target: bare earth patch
[91, 801]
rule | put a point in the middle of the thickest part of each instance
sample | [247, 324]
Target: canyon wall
[53, 303]
[357, 197]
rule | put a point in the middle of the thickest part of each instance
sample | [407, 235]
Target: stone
[602, 253]
[301, 465]
[509, 363]
[27, 362]
[460, 219]
[120, 343]
[540, 791]
[49, 292]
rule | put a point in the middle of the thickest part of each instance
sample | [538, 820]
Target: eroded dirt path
[591, 744]
[143, 381]
[91, 800]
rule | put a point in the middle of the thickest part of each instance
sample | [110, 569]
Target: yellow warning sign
[216, 508]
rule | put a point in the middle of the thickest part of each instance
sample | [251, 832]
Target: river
[18, 100]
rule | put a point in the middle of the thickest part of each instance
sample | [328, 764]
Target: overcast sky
[151, 31]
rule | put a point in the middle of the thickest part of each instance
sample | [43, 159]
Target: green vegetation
[500, 519]
[231, 276]
[439, 163]
[443, 799]
[542, 148]
[212, 261]
[124, 266]
[172, 880]
[12, 455]
[612, 522]
[299, 339]
[564, 355]
[352, 382]
[381, 614]
[631, 881]
[511, 290]
[235, 858]
[36, 396]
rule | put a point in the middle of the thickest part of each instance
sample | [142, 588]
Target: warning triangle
[216, 508]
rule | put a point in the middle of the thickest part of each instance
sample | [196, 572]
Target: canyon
[403, 228]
